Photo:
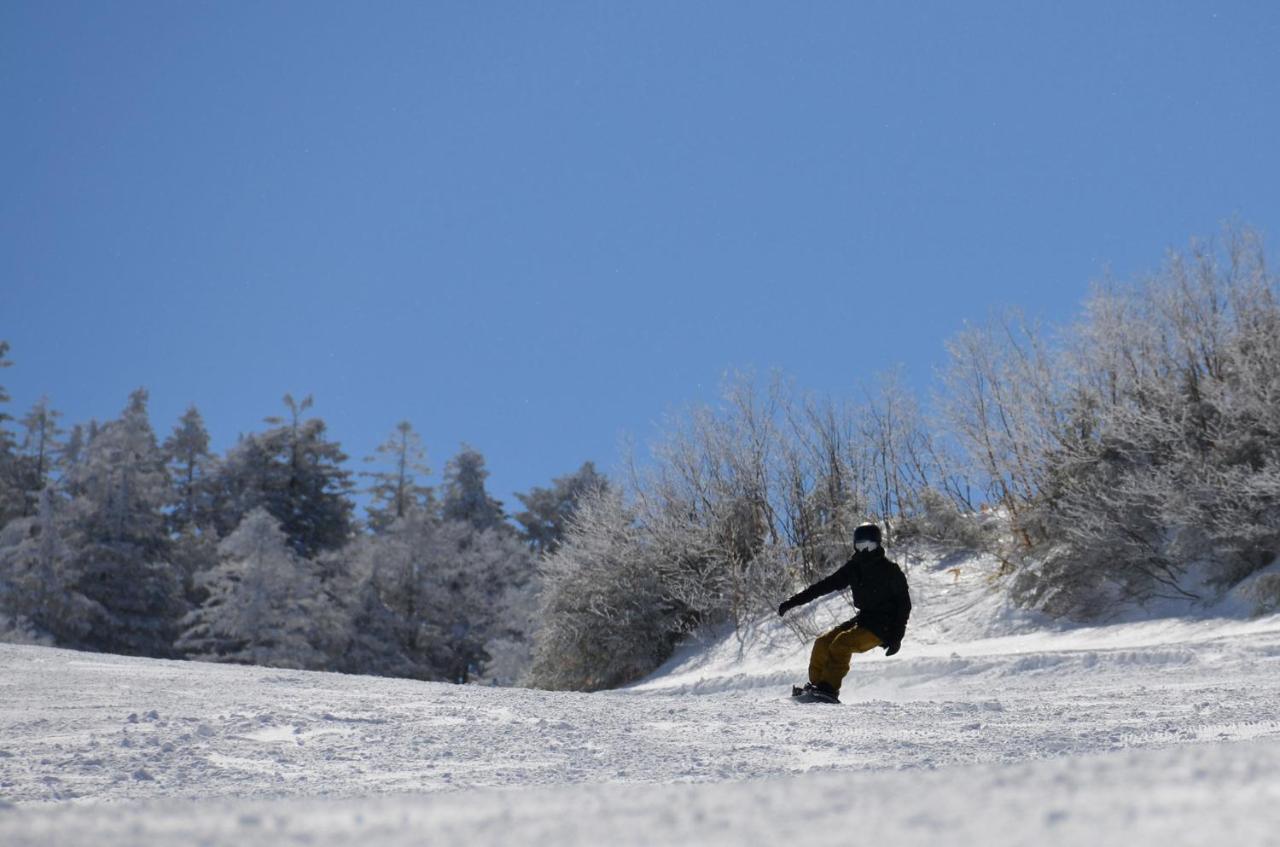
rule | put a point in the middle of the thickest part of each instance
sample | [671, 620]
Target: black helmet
[867, 532]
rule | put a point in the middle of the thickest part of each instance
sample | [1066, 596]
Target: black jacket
[879, 591]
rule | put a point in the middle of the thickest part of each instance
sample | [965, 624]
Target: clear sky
[537, 227]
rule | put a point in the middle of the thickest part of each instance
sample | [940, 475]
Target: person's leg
[820, 657]
[829, 662]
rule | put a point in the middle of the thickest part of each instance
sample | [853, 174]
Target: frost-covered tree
[398, 562]
[121, 546]
[70, 460]
[264, 604]
[296, 474]
[1168, 461]
[191, 465]
[547, 511]
[376, 635]
[1002, 400]
[372, 636]
[40, 445]
[38, 580]
[241, 483]
[510, 647]
[193, 552]
[394, 490]
[465, 498]
[13, 502]
[608, 615]
[456, 592]
[472, 575]
[5, 362]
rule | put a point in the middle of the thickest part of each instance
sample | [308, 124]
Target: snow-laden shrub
[1264, 593]
[1172, 454]
[940, 521]
[1138, 443]
[609, 613]
[19, 630]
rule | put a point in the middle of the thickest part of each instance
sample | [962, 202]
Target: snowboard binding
[810, 693]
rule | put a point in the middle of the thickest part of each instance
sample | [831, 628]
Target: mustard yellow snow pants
[829, 661]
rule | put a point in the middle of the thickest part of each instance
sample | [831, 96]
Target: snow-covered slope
[989, 727]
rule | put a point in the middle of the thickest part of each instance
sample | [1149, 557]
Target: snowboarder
[884, 604]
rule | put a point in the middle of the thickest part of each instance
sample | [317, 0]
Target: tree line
[113, 540]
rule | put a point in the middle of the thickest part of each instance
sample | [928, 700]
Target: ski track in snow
[988, 728]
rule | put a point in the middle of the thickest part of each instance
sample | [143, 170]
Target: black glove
[782, 607]
[890, 649]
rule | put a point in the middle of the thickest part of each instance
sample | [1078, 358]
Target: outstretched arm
[837, 580]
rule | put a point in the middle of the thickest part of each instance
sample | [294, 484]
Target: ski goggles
[864, 546]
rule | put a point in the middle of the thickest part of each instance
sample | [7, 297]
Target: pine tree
[465, 497]
[240, 484]
[451, 589]
[264, 603]
[374, 639]
[120, 543]
[12, 498]
[69, 462]
[374, 635]
[296, 474]
[38, 576]
[548, 510]
[186, 452]
[469, 575]
[193, 553]
[397, 561]
[40, 445]
[396, 491]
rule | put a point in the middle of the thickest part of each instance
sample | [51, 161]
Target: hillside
[990, 727]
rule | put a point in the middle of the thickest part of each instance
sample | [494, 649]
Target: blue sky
[538, 227]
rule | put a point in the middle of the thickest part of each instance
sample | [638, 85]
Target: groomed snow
[989, 728]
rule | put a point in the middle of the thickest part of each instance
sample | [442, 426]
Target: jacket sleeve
[835, 582]
[903, 596]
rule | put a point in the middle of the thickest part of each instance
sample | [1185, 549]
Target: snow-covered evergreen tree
[38, 577]
[465, 498]
[295, 473]
[547, 510]
[395, 489]
[456, 592]
[264, 605]
[13, 501]
[472, 574]
[193, 552]
[40, 445]
[186, 453]
[240, 484]
[68, 464]
[373, 638]
[398, 562]
[120, 543]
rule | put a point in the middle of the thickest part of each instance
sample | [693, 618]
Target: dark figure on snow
[884, 604]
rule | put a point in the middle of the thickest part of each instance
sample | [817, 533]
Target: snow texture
[988, 728]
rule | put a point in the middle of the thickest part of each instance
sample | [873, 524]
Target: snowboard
[811, 695]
